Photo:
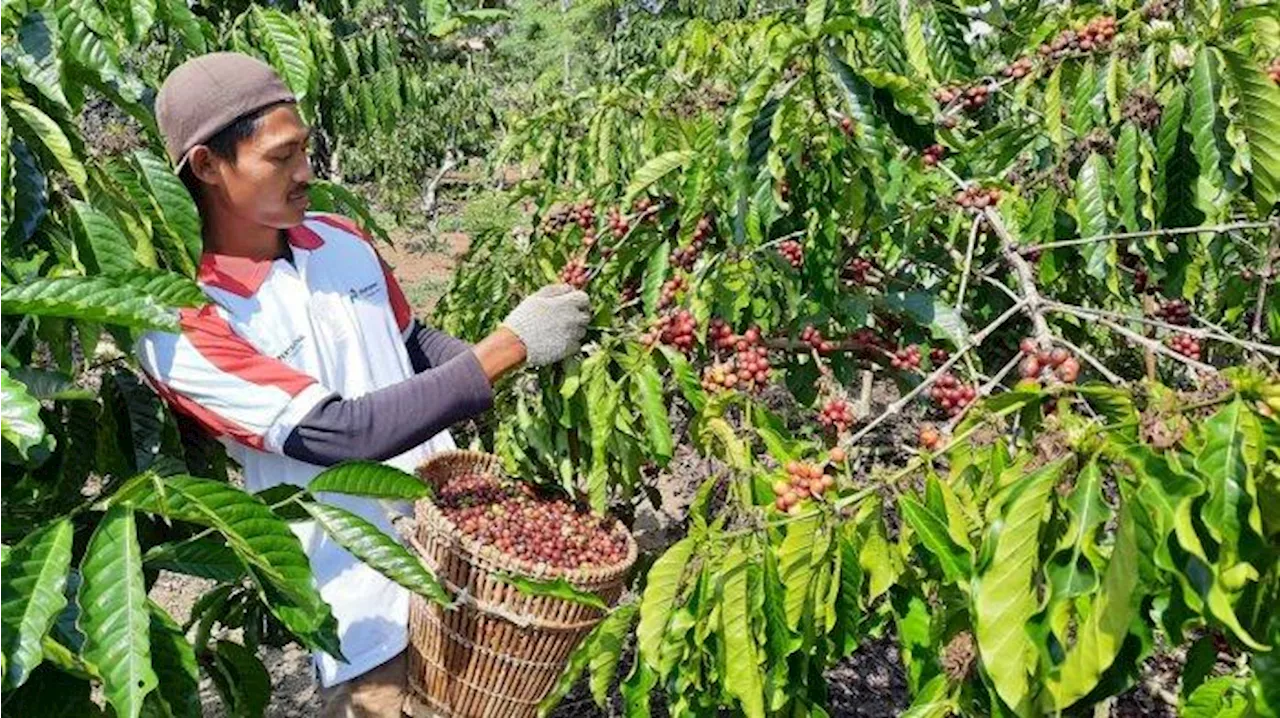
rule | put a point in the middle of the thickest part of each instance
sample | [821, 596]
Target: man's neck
[226, 233]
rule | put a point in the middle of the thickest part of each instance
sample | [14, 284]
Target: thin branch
[17, 333]
[429, 192]
[1026, 278]
[969, 343]
[1002, 287]
[1168, 232]
[1102, 369]
[1137, 338]
[968, 261]
[1265, 278]
[1218, 335]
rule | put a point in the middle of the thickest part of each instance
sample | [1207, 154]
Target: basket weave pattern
[499, 652]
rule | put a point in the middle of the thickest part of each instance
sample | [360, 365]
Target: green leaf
[655, 169]
[20, 422]
[262, 540]
[178, 16]
[206, 558]
[114, 615]
[174, 661]
[242, 679]
[1004, 597]
[35, 573]
[106, 300]
[685, 377]
[646, 386]
[109, 250]
[50, 385]
[1177, 167]
[37, 55]
[655, 274]
[555, 588]
[931, 311]
[1126, 177]
[748, 111]
[367, 543]
[1221, 459]
[52, 693]
[287, 48]
[341, 200]
[30, 195]
[932, 530]
[857, 94]
[815, 14]
[1207, 136]
[1099, 638]
[795, 565]
[1073, 568]
[49, 134]
[609, 639]
[173, 208]
[369, 478]
[946, 27]
[742, 678]
[662, 587]
[1053, 108]
[917, 50]
[1260, 115]
[1093, 188]
[168, 288]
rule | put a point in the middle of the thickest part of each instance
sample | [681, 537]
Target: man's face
[267, 181]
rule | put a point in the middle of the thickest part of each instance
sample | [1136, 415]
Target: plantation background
[1011, 265]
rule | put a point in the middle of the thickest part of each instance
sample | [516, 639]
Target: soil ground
[869, 684]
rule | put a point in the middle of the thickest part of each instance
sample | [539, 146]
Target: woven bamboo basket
[499, 652]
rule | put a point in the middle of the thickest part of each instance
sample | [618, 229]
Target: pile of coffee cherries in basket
[513, 517]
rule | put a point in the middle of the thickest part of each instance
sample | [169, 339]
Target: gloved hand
[551, 322]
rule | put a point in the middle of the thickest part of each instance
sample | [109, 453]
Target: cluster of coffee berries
[1095, 35]
[906, 358]
[617, 223]
[938, 356]
[1175, 311]
[867, 339]
[1156, 10]
[574, 273]
[836, 414]
[975, 197]
[630, 293]
[951, 395]
[933, 154]
[803, 480]
[1142, 109]
[1185, 344]
[1019, 68]
[582, 214]
[1038, 363]
[971, 98]
[1274, 71]
[811, 336]
[929, 437]
[513, 518]
[846, 125]
[793, 252]
[753, 367]
[589, 239]
[720, 335]
[858, 271]
[670, 290]
[642, 205]
[721, 375]
[676, 329]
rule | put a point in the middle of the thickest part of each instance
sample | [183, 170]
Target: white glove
[551, 322]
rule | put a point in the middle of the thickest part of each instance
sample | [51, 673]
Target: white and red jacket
[307, 360]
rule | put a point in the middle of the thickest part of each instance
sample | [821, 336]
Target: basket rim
[427, 510]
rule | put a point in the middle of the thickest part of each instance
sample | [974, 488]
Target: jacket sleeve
[429, 347]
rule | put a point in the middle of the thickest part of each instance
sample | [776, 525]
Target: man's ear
[204, 165]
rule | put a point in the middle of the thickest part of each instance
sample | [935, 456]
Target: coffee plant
[1012, 270]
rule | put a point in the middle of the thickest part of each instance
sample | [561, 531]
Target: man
[308, 353]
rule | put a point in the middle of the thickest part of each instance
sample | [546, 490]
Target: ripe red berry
[929, 437]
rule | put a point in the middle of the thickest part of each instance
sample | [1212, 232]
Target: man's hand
[551, 323]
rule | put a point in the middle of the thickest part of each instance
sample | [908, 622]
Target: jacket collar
[244, 276]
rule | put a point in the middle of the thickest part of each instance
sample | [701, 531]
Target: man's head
[232, 129]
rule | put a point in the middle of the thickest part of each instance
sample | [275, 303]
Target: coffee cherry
[677, 329]
[1175, 311]
[1018, 68]
[951, 395]
[978, 198]
[938, 356]
[929, 437]
[837, 455]
[617, 223]
[813, 338]
[574, 273]
[535, 529]
[793, 252]
[1274, 71]
[846, 125]
[1184, 344]
[907, 358]
[933, 154]
[857, 272]
[836, 414]
[670, 290]
[803, 480]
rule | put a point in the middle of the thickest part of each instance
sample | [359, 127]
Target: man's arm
[217, 377]
[429, 347]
